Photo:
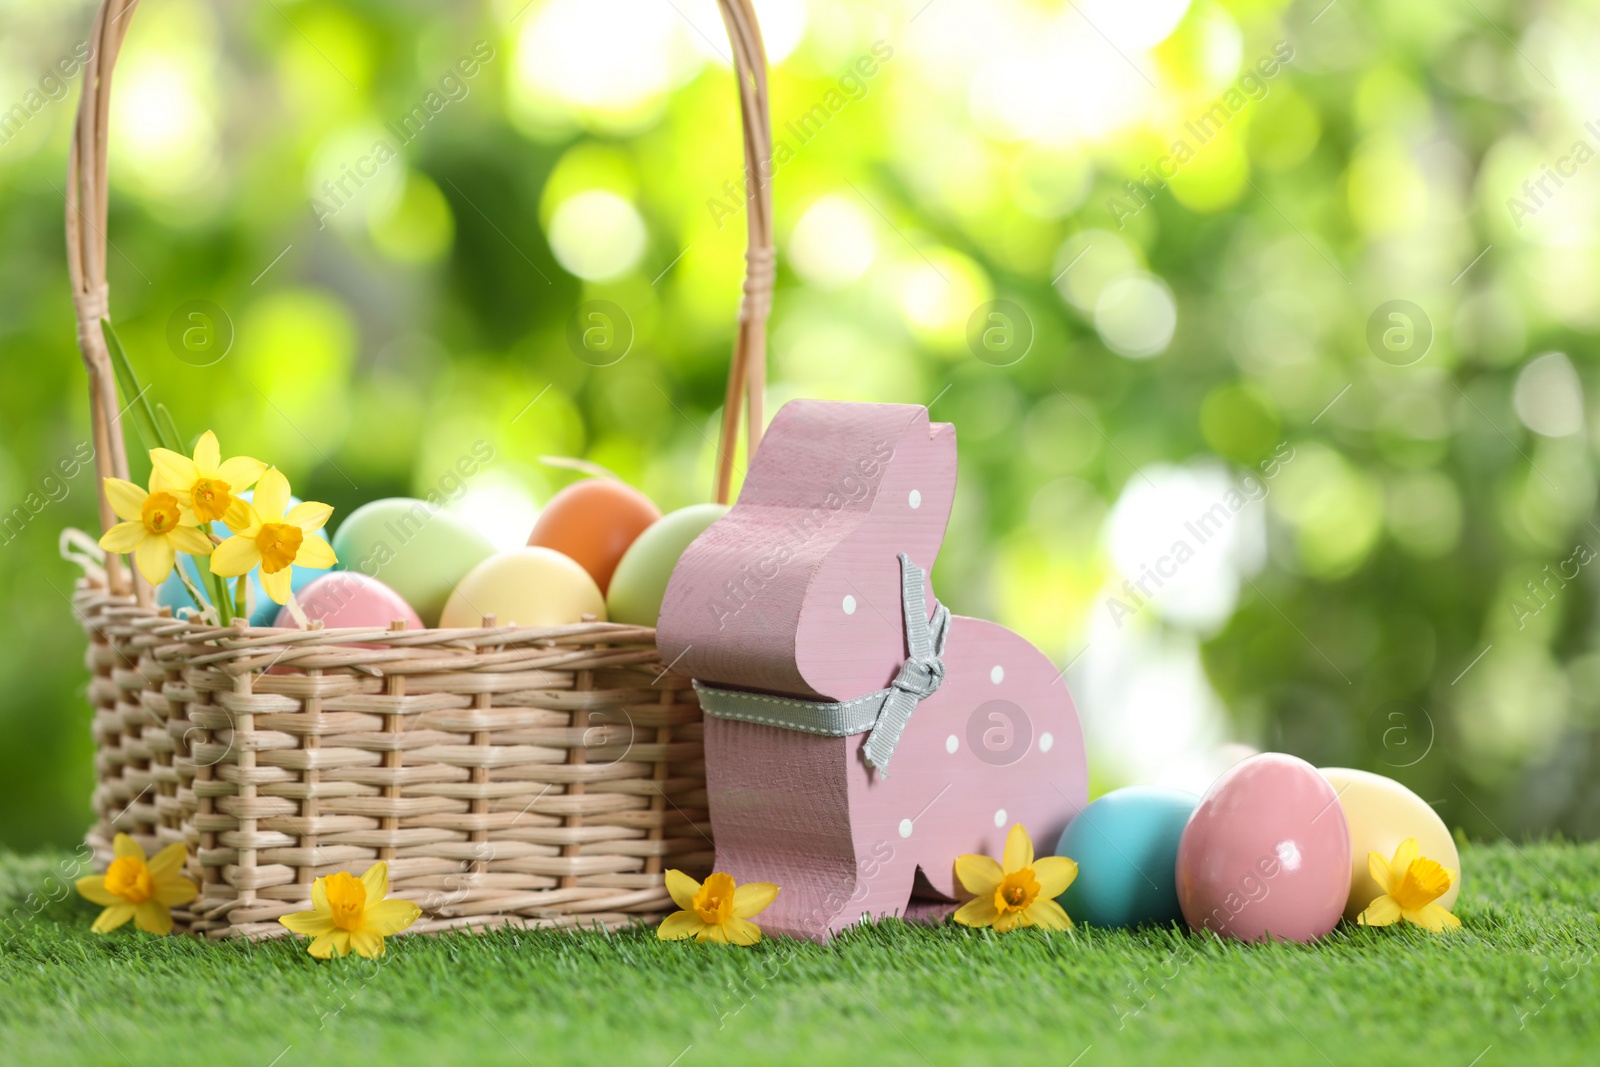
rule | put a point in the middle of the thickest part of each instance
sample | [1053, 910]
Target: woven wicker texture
[508, 775]
[534, 776]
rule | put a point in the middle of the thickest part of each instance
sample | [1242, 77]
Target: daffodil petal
[1381, 912]
[1019, 849]
[376, 881]
[319, 895]
[190, 540]
[1054, 874]
[388, 917]
[1047, 914]
[367, 943]
[683, 888]
[168, 861]
[1408, 851]
[309, 516]
[679, 925]
[175, 890]
[1005, 922]
[207, 455]
[238, 516]
[272, 495]
[252, 523]
[713, 932]
[123, 537]
[310, 923]
[1378, 868]
[175, 470]
[152, 917]
[978, 874]
[978, 912]
[155, 558]
[241, 472]
[742, 931]
[278, 585]
[753, 899]
[113, 917]
[123, 845]
[235, 556]
[125, 498]
[315, 552]
[1432, 918]
[334, 942]
[93, 889]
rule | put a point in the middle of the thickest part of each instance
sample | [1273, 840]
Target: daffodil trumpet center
[1424, 882]
[129, 878]
[1016, 890]
[347, 900]
[714, 902]
[210, 499]
[279, 544]
[160, 513]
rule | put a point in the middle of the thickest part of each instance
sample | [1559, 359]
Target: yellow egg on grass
[1381, 814]
[524, 587]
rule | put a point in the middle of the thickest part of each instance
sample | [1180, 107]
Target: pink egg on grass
[1266, 853]
[351, 600]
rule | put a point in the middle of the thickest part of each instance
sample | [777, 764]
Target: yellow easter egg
[524, 587]
[1382, 813]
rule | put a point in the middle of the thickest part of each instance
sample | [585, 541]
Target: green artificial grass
[1518, 984]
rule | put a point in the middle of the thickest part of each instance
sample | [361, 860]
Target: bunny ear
[851, 638]
[835, 492]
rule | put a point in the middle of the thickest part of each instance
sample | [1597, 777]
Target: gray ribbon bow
[885, 713]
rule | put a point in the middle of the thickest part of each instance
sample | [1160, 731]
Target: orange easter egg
[594, 522]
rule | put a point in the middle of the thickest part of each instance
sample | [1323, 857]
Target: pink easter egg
[1266, 853]
[349, 599]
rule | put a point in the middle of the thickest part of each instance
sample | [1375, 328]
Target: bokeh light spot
[833, 243]
[1136, 316]
[597, 235]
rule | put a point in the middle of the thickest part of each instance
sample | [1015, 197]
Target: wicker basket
[539, 777]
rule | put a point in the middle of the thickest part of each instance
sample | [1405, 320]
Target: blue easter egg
[263, 610]
[1126, 848]
[171, 593]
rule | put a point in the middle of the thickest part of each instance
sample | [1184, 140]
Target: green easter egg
[641, 577]
[412, 547]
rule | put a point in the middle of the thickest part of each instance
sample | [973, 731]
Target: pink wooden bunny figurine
[857, 743]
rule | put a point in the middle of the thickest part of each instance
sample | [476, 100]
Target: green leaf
[170, 437]
[144, 418]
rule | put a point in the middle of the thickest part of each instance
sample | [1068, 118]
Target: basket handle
[86, 254]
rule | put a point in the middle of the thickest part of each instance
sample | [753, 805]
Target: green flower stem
[219, 591]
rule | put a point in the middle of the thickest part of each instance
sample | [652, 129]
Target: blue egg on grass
[1126, 848]
[263, 610]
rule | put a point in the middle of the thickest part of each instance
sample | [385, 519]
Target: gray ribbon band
[885, 713]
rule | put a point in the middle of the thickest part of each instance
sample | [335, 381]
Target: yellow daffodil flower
[1411, 884]
[205, 484]
[717, 911]
[349, 913]
[156, 526]
[275, 537]
[133, 888]
[1022, 892]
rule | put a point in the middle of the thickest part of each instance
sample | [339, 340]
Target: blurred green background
[1351, 529]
